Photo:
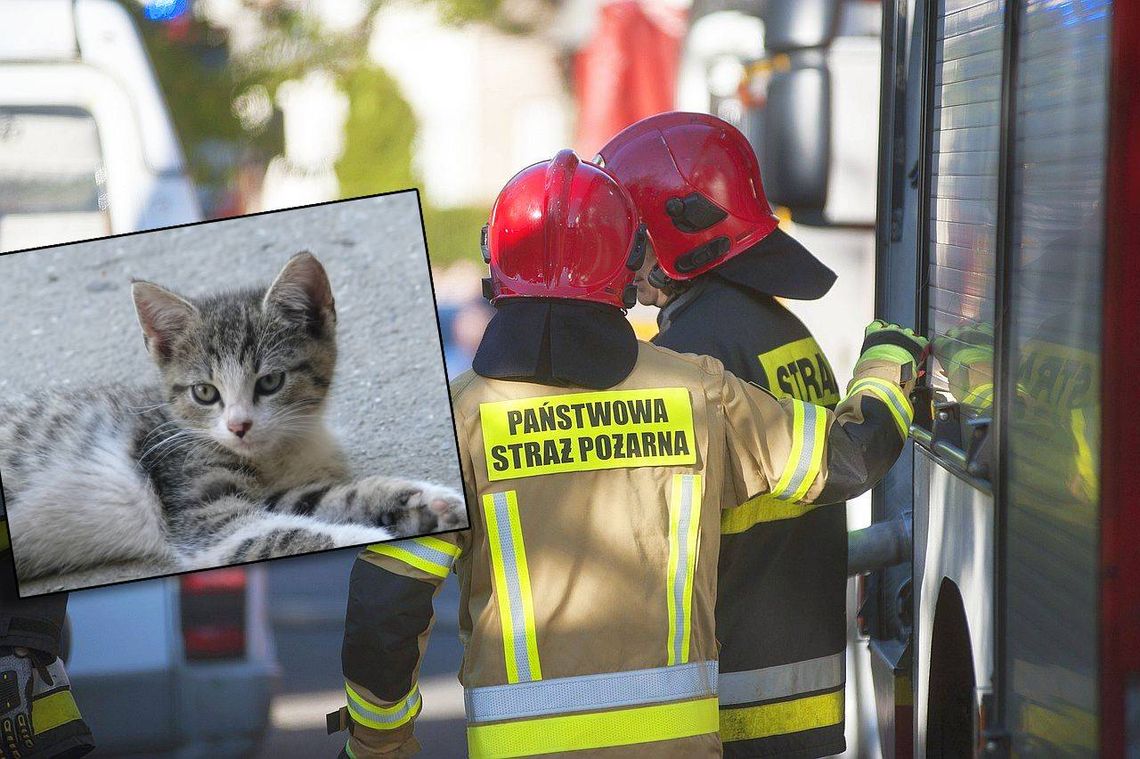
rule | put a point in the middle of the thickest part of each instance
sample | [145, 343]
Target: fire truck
[1006, 230]
[1008, 189]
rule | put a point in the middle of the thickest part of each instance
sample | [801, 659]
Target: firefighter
[717, 263]
[38, 715]
[595, 467]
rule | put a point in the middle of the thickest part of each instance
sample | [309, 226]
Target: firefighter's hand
[892, 342]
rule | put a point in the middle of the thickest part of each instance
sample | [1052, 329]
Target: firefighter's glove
[890, 342]
[38, 716]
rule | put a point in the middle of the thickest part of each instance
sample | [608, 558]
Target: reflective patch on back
[581, 432]
[800, 370]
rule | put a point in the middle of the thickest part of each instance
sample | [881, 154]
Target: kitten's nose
[239, 428]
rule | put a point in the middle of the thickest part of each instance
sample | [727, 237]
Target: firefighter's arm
[385, 633]
[386, 629]
[873, 421]
[794, 452]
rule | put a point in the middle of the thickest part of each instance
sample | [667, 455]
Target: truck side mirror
[799, 24]
[795, 153]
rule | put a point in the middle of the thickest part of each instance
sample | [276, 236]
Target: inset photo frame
[218, 393]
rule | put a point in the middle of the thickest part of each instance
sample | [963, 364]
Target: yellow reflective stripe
[512, 587]
[53, 710]
[430, 555]
[348, 749]
[981, 396]
[580, 732]
[816, 431]
[892, 397]
[895, 354]
[762, 508]
[809, 428]
[364, 712]
[684, 531]
[796, 452]
[781, 718]
[4, 543]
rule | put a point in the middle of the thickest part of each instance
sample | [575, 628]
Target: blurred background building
[237, 106]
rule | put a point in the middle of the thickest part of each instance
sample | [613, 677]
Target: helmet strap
[658, 278]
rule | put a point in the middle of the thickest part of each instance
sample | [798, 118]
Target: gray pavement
[68, 320]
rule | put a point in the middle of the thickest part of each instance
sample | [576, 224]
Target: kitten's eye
[205, 393]
[268, 384]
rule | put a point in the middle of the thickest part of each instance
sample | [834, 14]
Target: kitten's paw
[408, 507]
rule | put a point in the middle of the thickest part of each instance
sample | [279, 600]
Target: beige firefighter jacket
[588, 575]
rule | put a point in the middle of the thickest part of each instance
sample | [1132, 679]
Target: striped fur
[194, 477]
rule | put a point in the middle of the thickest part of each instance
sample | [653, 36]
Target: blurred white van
[86, 145]
[180, 667]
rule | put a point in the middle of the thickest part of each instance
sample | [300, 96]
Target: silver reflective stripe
[565, 695]
[680, 608]
[782, 681]
[426, 552]
[514, 590]
[409, 705]
[891, 391]
[807, 454]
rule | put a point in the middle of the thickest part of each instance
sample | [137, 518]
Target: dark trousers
[29, 622]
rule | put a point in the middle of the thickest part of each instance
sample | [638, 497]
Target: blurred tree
[191, 61]
[205, 83]
[378, 135]
[453, 233]
[517, 16]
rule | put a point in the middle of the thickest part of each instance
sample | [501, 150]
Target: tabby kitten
[227, 461]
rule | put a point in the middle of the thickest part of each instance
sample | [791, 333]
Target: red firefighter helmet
[696, 182]
[563, 228]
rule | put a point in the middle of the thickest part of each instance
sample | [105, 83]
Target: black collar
[557, 342]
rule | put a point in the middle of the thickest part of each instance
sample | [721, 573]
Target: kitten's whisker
[144, 409]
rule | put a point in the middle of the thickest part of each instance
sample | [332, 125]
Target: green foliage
[378, 135]
[198, 88]
[463, 11]
[520, 17]
[453, 234]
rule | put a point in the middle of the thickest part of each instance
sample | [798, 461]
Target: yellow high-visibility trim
[981, 397]
[781, 718]
[348, 749]
[579, 732]
[377, 717]
[5, 544]
[511, 580]
[684, 534]
[427, 554]
[818, 433]
[785, 367]
[809, 429]
[796, 452]
[53, 710]
[892, 397]
[580, 432]
[440, 545]
[762, 508]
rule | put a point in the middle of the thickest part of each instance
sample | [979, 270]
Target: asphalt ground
[308, 595]
[68, 319]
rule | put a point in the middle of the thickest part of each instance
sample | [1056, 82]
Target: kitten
[227, 461]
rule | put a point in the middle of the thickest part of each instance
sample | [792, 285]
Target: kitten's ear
[162, 315]
[302, 291]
